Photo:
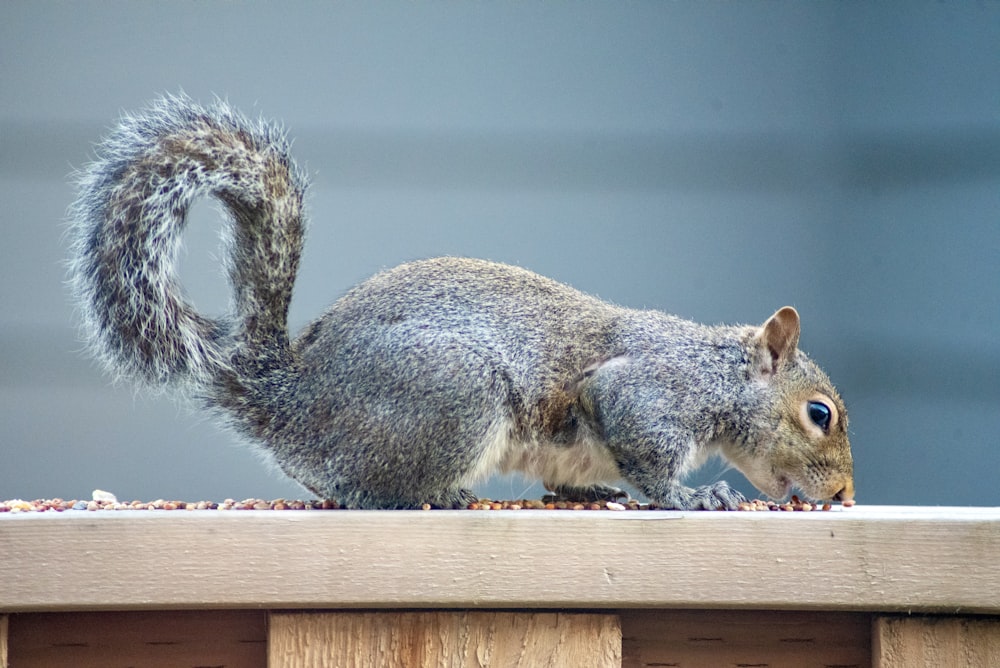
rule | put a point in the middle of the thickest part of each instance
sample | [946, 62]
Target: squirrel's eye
[820, 415]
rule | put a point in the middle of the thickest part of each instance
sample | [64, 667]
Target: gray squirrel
[433, 375]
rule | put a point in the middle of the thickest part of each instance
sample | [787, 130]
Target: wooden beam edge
[889, 560]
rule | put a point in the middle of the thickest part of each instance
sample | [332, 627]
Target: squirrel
[433, 375]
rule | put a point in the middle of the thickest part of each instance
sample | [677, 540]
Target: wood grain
[4, 626]
[862, 559]
[936, 642]
[443, 639]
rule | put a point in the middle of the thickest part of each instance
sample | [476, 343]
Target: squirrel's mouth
[773, 485]
[844, 492]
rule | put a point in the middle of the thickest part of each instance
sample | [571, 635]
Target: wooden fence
[882, 586]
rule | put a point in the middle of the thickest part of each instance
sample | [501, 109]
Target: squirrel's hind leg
[415, 415]
[452, 500]
[586, 494]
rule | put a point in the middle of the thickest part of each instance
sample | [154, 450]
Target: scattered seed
[60, 505]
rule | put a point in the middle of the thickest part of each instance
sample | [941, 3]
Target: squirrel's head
[802, 441]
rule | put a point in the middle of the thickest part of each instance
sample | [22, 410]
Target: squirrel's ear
[780, 336]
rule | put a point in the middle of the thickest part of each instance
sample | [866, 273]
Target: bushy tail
[126, 227]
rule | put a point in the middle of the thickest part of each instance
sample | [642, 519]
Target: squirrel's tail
[126, 227]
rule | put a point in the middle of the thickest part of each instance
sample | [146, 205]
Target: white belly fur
[578, 464]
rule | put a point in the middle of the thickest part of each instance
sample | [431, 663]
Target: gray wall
[716, 160]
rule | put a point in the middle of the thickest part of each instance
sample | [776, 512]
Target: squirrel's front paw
[717, 496]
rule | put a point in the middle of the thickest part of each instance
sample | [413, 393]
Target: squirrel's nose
[846, 493]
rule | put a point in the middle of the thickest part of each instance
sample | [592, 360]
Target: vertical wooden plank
[4, 626]
[443, 638]
[151, 639]
[936, 642]
[775, 639]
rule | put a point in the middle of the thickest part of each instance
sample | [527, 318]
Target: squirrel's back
[542, 332]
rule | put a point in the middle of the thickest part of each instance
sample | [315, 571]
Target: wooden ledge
[867, 558]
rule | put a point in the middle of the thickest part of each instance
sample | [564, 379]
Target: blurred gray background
[715, 160]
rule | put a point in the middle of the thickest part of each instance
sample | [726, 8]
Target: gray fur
[434, 374]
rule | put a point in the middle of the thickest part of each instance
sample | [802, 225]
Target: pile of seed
[104, 501]
[794, 504]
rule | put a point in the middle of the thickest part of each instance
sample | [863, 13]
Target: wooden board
[713, 638]
[937, 642]
[443, 639]
[861, 559]
[3, 641]
[170, 639]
